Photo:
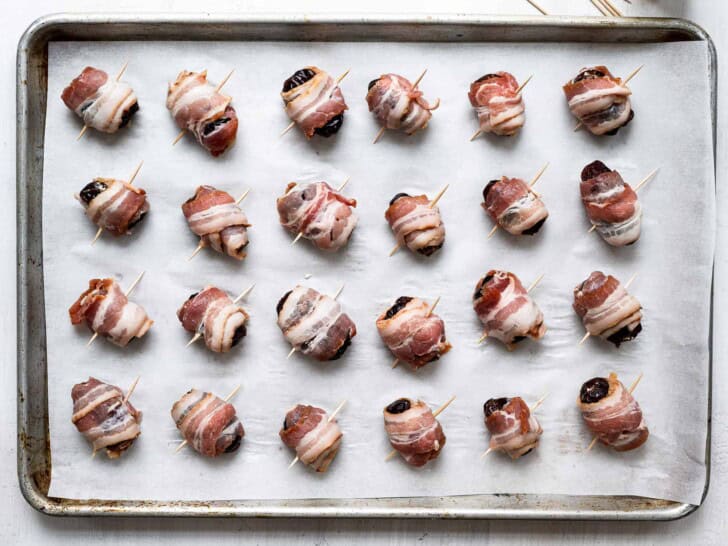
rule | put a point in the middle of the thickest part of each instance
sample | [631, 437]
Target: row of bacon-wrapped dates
[314, 101]
[315, 324]
[210, 425]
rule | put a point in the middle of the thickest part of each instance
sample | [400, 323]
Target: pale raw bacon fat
[499, 107]
[611, 204]
[397, 105]
[513, 206]
[413, 431]
[208, 423]
[506, 310]
[314, 323]
[512, 427]
[101, 102]
[109, 313]
[416, 225]
[314, 102]
[307, 429]
[612, 414]
[412, 333]
[599, 100]
[215, 216]
[606, 309]
[213, 314]
[104, 418]
[113, 204]
[319, 212]
[199, 108]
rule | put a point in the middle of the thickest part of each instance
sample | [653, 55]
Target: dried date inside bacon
[314, 102]
[512, 427]
[512, 205]
[114, 205]
[498, 103]
[413, 431]
[396, 104]
[213, 314]
[416, 224]
[316, 439]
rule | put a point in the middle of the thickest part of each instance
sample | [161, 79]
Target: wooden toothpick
[227, 399]
[539, 8]
[427, 315]
[331, 418]
[129, 291]
[435, 413]
[300, 233]
[244, 293]
[338, 293]
[631, 390]
[131, 389]
[432, 205]
[530, 186]
[293, 123]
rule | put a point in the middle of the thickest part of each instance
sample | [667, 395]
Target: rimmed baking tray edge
[33, 443]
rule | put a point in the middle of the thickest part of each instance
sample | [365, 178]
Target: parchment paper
[673, 260]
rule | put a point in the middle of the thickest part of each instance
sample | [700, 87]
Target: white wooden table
[20, 524]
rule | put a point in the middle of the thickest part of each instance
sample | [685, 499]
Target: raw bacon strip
[314, 101]
[104, 418]
[606, 309]
[314, 323]
[109, 313]
[199, 108]
[212, 313]
[599, 100]
[396, 105]
[113, 204]
[512, 427]
[498, 104]
[611, 204]
[415, 224]
[101, 102]
[611, 413]
[413, 431]
[412, 335]
[512, 205]
[208, 423]
[215, 216]
[315, 439]
[506, 310]
[321, 213]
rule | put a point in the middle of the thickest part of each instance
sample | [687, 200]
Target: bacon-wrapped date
[413, 431]
[415, 224]
[319, 212]
[109, 313]
[213, 314]
[217, 219]
[314, 324]
[513, 429]
[307, 429]
[208, 423]
[104, 418]
[313, 100]
[506, 310]
[114, 204]
[101, 102]
[412, 333]
[606, 309]
[498, 104]
[397, 105]
[612, 414]
[199, 108]
[599, 100]
[611, 204]
[513, 206]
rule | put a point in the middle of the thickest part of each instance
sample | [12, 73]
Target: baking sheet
[671, 130]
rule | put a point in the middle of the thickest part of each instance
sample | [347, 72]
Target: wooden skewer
[531, 185]
[435, 413]
[331, 418]
[131, 389]
[227, 399]
[626, 286]
[533, 409]
[244, 293]
[534, 284]
[182, 133]
[636, 189]
[429, 312]
[626, 81]
[201, 245]
[414, 86]
[338, 292]
[631, 390]
[611, 8]
[293, 123]
[118, 77]
[432, 205]
[601, 8]
[129, 291]
[300, 233]
[535, 5]
[518, 91]
[131, 179]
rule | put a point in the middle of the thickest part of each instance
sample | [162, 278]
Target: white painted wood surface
[20, 524]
